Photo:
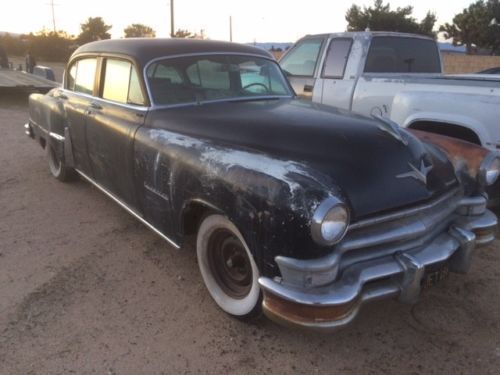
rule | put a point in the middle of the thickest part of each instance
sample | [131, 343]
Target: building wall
[457, 63]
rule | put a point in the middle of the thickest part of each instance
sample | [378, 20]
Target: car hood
[375, 171]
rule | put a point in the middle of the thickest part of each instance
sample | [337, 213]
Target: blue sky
[259, 20]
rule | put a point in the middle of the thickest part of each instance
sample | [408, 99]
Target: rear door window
[121, 83]
[336, 58]
[301, 59]
[402, 55]
[85, 76]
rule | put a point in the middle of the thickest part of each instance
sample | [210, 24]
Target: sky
[253, 20]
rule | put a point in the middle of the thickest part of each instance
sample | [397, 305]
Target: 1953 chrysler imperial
[300, 210]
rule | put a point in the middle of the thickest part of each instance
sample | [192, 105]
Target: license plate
[435, 276]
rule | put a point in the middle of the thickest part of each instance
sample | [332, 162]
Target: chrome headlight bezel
[330, 206]
[489, 170]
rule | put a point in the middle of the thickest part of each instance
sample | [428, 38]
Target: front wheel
[57, 167]
[228, 268]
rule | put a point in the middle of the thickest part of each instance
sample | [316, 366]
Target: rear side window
[402, 55]
[302, 59]
[121, 83]
[85, 75]
[336, 58]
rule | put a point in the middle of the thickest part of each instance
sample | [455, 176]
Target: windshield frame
[234, 99]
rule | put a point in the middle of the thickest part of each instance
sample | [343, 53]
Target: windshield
[196, 79]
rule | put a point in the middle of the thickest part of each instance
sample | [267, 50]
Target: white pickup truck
[398, 76]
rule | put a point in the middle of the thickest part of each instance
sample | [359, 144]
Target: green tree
[477, 25]
[94, 29]
[138, 30]
[50, 45]
[380, 17]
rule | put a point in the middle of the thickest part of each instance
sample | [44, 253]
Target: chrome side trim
[124, 105]
[56, 136]
[128, 209]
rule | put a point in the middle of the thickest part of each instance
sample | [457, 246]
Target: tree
[180, 33]
[381, 17]
[474, 26]
[50, 46]
[94, 29]
[138, 30]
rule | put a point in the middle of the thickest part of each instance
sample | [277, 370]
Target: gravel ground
[85, 289]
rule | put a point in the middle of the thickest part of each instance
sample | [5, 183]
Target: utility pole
[172, 27]
[52, 5]
[230, 28]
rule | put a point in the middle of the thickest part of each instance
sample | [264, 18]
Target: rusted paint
[459, 152]
[302, 315]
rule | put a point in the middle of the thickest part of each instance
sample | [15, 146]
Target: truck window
[402, 55]
[121, 83]
[302, 59]
[336, 58]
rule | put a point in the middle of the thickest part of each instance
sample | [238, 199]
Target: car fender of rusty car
[300, 210]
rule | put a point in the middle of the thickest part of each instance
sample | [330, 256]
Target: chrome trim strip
[124, 105]
[128, 209]
[404, 213]
[226, 100]
[56, 136]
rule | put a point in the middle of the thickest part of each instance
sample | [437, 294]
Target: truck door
[301, 63]
[112, 121]
[336, 84]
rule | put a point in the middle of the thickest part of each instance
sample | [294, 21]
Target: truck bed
[17, 81]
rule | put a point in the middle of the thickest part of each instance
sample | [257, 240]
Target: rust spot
[458, 151]
[295, 313]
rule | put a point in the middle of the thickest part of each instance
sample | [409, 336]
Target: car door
[301, 63]
[337, 87]
[112, 121]
[77, 96]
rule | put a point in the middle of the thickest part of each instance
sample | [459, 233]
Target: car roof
[144, 50]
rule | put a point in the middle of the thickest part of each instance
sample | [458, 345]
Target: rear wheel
[57, 167]
[228, 268]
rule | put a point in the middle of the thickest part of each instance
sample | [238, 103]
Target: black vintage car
[301, 210]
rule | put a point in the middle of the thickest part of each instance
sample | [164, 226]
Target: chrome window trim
[129, 106]
[226, 100]
[128, 209]
[168, 57]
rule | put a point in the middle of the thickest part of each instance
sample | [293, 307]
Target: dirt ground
[86, 289]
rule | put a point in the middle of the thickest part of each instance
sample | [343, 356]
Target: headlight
[329, 222]
[490, 169]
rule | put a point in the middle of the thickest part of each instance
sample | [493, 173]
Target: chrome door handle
[95, 106]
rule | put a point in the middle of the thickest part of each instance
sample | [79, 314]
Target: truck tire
[228, 268]
[57, 167]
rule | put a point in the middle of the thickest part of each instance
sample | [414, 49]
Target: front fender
[270, 200]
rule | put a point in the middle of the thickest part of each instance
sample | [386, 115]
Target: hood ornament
[390, 127]
[419, 174]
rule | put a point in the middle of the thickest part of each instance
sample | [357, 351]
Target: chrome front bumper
[320, 294]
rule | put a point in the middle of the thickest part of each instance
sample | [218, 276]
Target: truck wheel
[57, 167]
[228, 268]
